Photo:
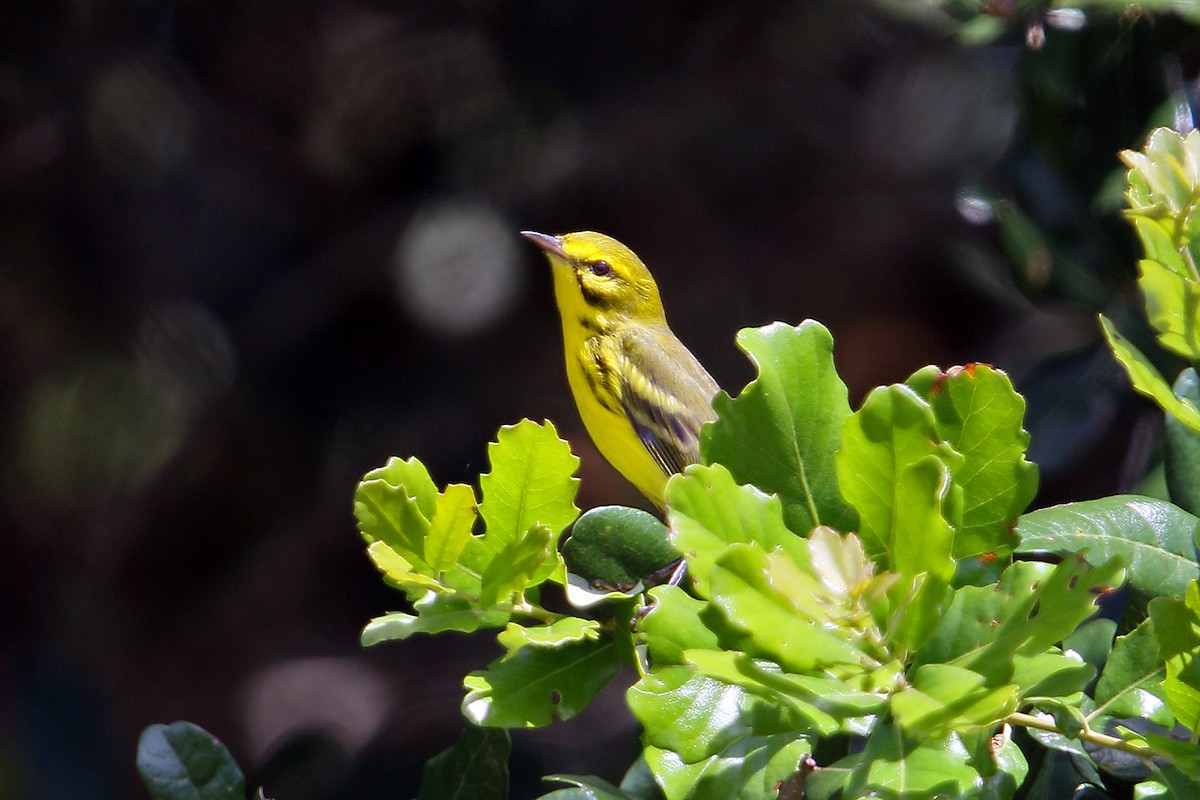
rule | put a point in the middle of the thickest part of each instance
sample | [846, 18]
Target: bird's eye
[600, 268]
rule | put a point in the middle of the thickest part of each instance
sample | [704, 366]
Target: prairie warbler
[641, 394]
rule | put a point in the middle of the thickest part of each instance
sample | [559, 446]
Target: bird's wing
[667, 396]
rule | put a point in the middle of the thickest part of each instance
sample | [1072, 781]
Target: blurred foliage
[235, 231]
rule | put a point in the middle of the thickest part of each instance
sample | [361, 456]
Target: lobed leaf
[780, 434]
[895, 470]
[1177, 630]
[1031, 609]
[513, 568]
[708, 511]
[435, 614]
[531, 482]
[980, 415]
[538, 683]
[771, 599]
[450, 526]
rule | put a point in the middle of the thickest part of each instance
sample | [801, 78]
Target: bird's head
[603, 274]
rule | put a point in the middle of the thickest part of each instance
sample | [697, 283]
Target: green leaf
[450, 527]
[585, 787]
[389, 511]
[1172, 306]
[673, 625]
[514, 566]
[708, 511]
[980, 415]
[781, 432]
[1154, 538]
[1183, 448]
[474, 768]
[943, 698]
[895, 470]
[1146, 379]
[531, 483]
[770, 598]
[615, 546]
[896, 765]
[1050, 674]
[1172, 784]
[747, 769]
[1177, 629]
[1131, 684]
[400, 572]
[538, 683]
[561, 632]
[1031, 609]
[182, 761]
[822, 703]
[435, 614]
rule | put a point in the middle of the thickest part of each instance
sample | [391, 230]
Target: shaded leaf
[673, 625]
[513, 567]
[1183, 448]
[182, 761]
[615, 546]
[474, 768]
[893, 764]
[1131, 684]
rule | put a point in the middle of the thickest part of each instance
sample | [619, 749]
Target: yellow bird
[642, 395]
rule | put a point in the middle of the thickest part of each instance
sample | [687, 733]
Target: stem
[1087, 734]
[529, 610]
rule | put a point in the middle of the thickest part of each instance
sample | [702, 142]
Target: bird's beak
[551, 244]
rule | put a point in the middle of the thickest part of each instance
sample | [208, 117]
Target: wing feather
[666, 395]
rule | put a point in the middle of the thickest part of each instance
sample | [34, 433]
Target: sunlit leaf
[450, 528]
[1155, 539]
[531, 482]
[1177, 630]
[980, 415]
[434, 615]
[708, 511]
[781, 432]
[539, 683]
[895, 469]
[1147, 380]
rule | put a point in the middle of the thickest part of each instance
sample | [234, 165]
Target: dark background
[249, 250]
